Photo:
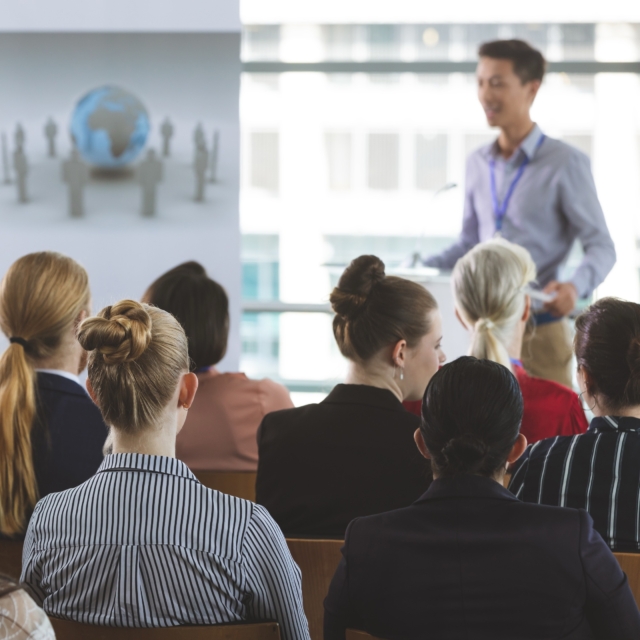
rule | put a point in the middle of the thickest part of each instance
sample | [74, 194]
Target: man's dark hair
[200, 305]
[471, 415]
[528, 63]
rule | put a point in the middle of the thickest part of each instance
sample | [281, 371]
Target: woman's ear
[399, 353]
[527, 308]
[460, 320]
[422, 447]
[90, 391]
[188, 388]
[518, 449]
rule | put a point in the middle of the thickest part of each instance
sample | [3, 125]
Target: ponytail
[18, 489]
[41, 298]
[486, 346]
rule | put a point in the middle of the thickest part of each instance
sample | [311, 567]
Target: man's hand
[565, 299]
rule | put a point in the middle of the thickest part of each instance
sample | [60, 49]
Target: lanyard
[517, 363]
[500, 210]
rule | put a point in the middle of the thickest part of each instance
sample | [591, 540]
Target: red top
[550, 409]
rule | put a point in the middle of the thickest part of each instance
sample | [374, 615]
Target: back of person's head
[488, 286]
[374, 310]
[607, 347]
[528, 63]
[138, 354]
[201, 306]
[42, 297]
[471, 415]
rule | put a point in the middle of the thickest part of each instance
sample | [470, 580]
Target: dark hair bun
[193, 267]
[465, 454]
[121, 333]
[356, 284]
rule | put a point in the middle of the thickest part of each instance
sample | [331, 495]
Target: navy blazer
[353, 454]
[67, 436]
[468, 560]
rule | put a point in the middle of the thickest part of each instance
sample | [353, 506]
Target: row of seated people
[143, 517]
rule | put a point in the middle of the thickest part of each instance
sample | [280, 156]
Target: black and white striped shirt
[598, 471]
[144, 544]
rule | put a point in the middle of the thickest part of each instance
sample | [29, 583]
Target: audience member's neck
[632, 411]
[156, 440]
[512, 136]
[515, 347]
[69, 356]
[382, 379]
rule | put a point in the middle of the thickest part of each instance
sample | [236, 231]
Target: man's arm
[469, 236]
[580, 204]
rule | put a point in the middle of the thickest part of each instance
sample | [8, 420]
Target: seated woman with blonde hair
[143, 543]
[489, 287]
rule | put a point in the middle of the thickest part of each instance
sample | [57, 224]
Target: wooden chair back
[68, 630]
[241, 484]
[630, 564]
[318, 561]
[11, 558]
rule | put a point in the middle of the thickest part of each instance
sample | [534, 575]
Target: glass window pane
[383, 160]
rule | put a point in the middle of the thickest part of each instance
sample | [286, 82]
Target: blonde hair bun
[120, 333]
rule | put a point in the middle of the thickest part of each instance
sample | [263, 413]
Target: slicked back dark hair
[528, 63]
[200, 305]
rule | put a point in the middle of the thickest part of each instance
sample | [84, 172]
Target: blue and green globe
[110, 127]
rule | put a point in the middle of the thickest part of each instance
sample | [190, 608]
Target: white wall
[191, 78]
[119, 15]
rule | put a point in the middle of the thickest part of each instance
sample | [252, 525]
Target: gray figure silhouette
[6, 172]
[50, 132]
[76, 174]
[213, 171]
[198, 136]
[21, 167]
[149, 175]
[166, 130]
[19, 136]
[200, 167]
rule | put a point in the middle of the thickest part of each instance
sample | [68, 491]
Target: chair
[11, 557]
[241, 484]
[318, 561]
[354, 634]
[68, 630]
[630, 564]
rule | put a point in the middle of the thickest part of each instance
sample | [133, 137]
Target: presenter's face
[503, 96]
[424, 360]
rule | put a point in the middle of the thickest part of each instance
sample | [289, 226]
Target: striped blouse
[598, 471]
[144, 544]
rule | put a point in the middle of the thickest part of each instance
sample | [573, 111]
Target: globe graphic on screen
[110, 127]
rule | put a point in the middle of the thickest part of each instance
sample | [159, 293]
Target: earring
[402, 373]
[595, 402]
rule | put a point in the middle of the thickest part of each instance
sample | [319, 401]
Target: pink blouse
[220, 431]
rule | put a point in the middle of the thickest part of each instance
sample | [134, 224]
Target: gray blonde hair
[488, 288]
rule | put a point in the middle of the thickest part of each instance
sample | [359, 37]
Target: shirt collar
[466, 486]
[364, 394]
[141, 462]
[528, 146]
[64, 374]
[614, 424]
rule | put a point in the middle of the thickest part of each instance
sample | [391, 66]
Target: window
[431, 161]
[265, 160]
[383, 161]
[338, 147]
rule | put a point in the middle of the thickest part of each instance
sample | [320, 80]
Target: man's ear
[534, 87]
[460, 320]
[527, 309]
[422, 447]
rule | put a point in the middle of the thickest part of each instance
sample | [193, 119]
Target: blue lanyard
[500, 210]
[517, 363]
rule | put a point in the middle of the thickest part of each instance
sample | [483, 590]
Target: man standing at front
[537, 192]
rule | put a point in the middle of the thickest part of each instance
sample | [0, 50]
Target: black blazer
[67, 436]
[470, 561]
[351, 455]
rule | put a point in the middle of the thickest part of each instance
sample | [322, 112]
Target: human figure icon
[198, 136]
[149, 176]
[213, 170]
[21, 167]
[50, 132]
[166, 130]
[6, 171]
[19, 136]
[76, 174]
[200, 164]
